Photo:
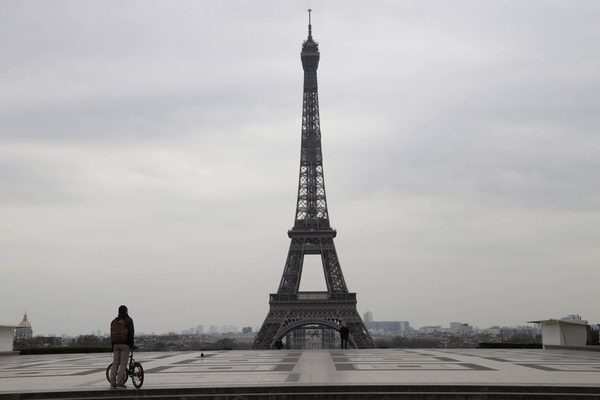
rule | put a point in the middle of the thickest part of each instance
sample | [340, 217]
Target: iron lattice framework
[311, 234]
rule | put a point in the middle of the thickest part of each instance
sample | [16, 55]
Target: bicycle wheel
[138, 375]
[108, 373]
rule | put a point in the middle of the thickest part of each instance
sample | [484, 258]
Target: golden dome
[25, 323]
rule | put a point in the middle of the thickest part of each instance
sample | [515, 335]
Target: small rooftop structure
[563, 332]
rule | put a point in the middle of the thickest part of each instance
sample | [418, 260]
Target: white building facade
[7, 337]
[563, 332]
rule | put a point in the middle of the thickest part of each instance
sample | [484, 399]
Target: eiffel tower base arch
[291, 311]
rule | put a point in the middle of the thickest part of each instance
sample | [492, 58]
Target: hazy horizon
[149, 156]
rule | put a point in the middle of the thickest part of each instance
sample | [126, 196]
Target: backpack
[118, 331]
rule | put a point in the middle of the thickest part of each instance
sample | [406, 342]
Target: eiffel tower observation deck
[311, 234]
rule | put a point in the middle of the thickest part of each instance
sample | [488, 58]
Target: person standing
[344, 334]
[121, 337]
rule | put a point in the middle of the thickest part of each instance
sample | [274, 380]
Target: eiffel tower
[311, 234]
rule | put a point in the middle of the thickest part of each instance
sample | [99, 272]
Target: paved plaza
[375, 367]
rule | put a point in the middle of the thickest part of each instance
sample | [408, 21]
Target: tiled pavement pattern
[19, 374]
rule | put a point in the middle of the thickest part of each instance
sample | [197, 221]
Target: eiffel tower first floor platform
[288, 312]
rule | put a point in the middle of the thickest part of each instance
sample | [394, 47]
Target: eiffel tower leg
[267, 335]
[290, 281]
[265, 339]
[359, 335]
[331, 266]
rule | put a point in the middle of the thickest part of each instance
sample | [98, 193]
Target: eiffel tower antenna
[312, 234]
[309, 25]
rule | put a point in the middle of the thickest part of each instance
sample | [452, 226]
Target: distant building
[401, 328]
[518, 332]
[247, 329]
[493, 330]
[455, 326]
[431, 329]
[198, 330]
[573, 317]
[461, 327]
[23, 330]
[229, 329]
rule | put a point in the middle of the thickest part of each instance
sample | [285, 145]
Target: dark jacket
[130, 330]
[344, 332]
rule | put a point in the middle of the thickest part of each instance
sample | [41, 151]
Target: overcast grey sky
[149, 156]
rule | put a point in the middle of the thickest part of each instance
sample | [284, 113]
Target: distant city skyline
[210, 329]
[149, 157]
